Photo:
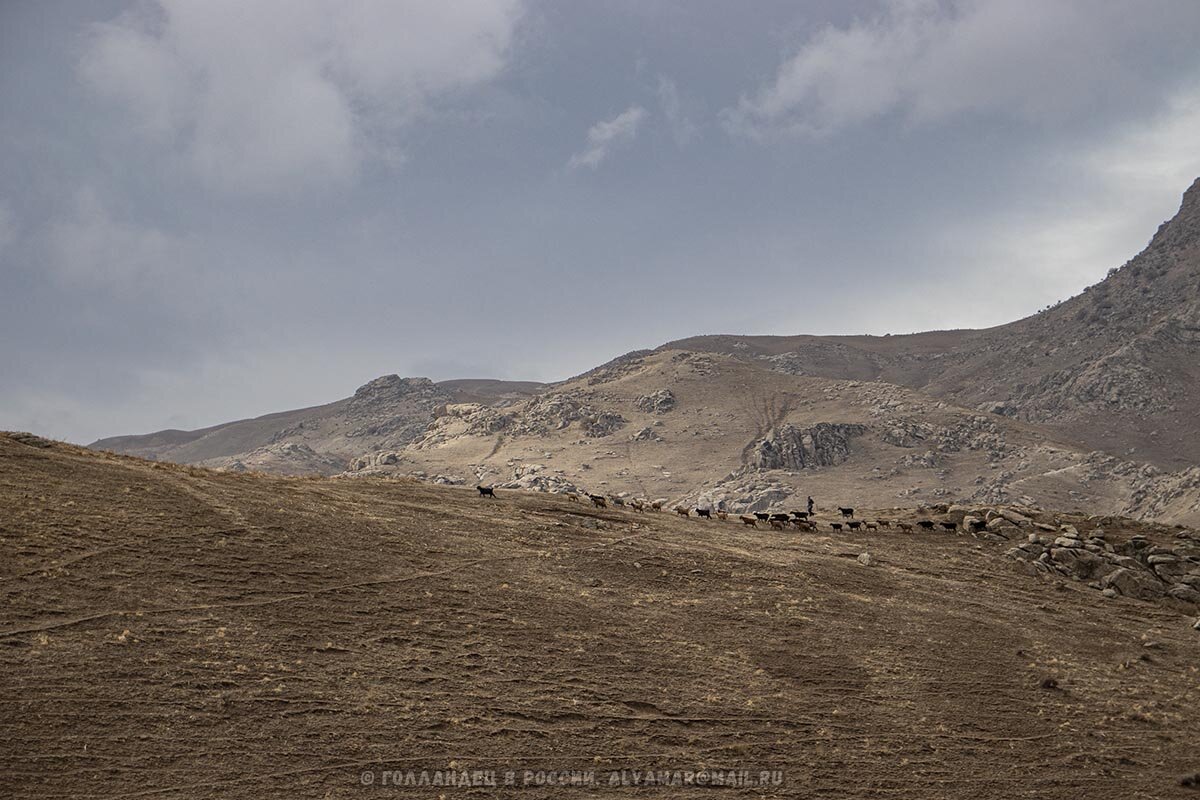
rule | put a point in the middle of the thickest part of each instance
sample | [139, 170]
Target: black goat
[486, 491]
[846, 512]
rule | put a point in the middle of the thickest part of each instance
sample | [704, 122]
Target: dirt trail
[173, 632]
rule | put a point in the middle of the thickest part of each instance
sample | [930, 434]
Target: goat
[872, 526]
[837, 526]
[950, 526]
[722, 514]
[854, 525]
[681, 511]
[805, 525]
[486, 491]
[800, 514]
[637, 505]
[598, 500]
[777, 524]
[781, 517]
[704, 512]
[761, 516]
[978, 526]
[846, 512]
[751, 521]
[905, 526]
[927, 524]
[574, 498]
[618, 501]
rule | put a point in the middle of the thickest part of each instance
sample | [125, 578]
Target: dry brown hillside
[177, 632]
[1088, 406]
[1114, 368]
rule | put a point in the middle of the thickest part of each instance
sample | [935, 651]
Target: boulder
[1081, 564]
[1020, 520]
[1134, 583]
[1185, 593]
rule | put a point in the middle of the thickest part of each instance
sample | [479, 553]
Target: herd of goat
[800, 520]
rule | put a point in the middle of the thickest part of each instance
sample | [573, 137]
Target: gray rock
[788, 447]
[865, 559]
[1134, 583]
[659, 402]
[1185, 593]
[1081, 564]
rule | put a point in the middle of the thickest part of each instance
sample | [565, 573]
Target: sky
[214, 209]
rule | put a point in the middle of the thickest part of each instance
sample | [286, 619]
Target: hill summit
[1090, 404]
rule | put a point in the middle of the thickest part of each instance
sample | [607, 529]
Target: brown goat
[751, 521]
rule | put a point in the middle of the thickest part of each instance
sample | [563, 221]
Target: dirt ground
[171, 632]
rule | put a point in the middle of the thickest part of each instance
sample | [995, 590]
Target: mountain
[1089, 404]
[1114, 369]
[178, 632]
[389, 411]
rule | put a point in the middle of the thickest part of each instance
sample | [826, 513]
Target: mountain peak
[1183, 229]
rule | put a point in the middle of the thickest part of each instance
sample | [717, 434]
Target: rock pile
[1136, 568]
[659, 402]
[536, 478]
[557, 411]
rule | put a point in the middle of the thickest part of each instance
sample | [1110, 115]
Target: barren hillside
[170, 631]
[1089, 405]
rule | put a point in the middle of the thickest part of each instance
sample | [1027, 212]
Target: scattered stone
[865, 559]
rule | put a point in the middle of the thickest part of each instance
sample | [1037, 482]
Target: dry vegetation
[169, 631]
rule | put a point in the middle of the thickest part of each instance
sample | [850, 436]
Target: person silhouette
[811, 504]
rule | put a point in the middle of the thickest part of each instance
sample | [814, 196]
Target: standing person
[811, 504]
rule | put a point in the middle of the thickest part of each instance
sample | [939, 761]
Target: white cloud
[91, 249]
[931, 59]
[604, 136]
[262, 96]
[1120, 190]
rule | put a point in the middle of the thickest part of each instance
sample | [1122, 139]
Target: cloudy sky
[212, 209]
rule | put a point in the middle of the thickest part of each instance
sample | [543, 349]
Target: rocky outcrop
[788, 447]
[659, 402]
[1135, 568]
[538, 478]
[557, 411]
[284, 458]
[394, 408]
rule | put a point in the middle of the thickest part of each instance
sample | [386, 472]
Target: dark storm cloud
[210, 210]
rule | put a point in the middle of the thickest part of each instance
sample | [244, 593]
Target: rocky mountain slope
[1116, 368]
[1088, 405]
[187, 633]
[389, 411]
